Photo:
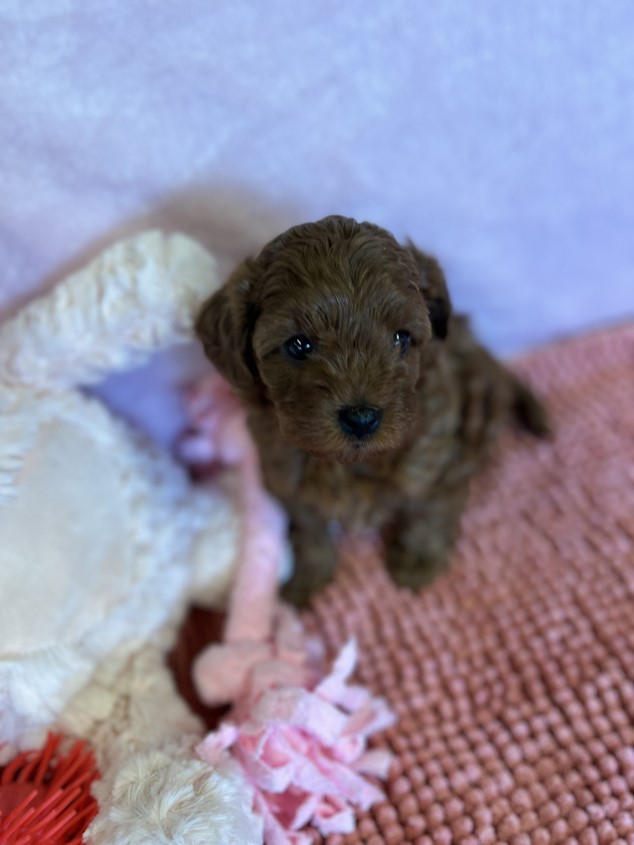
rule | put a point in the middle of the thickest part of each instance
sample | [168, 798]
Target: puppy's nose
[359, 420]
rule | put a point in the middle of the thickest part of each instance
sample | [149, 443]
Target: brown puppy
[371, 404]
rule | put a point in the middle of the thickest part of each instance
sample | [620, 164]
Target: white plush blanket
[498, 134]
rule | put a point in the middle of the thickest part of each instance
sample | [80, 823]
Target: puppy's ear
[225, 328]
[434, 288]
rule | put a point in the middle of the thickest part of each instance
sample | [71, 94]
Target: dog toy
[45, 795]
[298, 732]
[104, 541]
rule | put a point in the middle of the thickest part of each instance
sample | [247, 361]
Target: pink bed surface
[513, 674]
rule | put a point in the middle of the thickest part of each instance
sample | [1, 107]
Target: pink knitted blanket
[513, 674]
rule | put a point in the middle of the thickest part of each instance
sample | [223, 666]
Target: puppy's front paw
[315, 555]
[411, 569]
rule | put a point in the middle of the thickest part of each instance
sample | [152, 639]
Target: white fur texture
[102, 541]
[183, 803]
[137, 297]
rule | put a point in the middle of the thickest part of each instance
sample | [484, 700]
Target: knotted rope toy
[299, 733]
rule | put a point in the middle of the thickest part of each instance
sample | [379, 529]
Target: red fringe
[45, 795]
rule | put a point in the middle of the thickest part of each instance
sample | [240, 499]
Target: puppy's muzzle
[359, 421]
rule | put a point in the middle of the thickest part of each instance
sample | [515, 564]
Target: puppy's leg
[315, 557]
[419, 541]
[528, 410]
[493, 392]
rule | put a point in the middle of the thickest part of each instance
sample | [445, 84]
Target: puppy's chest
[357, 496]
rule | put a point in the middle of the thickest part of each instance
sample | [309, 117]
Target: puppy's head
[328, 326]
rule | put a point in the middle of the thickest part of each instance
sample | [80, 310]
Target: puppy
[371, 404]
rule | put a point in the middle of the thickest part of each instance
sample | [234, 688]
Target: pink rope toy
[300, 735]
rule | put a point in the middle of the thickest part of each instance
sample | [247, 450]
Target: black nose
[359, 421]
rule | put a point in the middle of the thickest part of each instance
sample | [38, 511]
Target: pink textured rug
[513, 674]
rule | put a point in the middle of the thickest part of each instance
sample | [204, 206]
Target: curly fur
[437, 398]
[165, 797]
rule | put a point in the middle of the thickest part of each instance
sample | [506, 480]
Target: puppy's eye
[298, 348]
[402, 340]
